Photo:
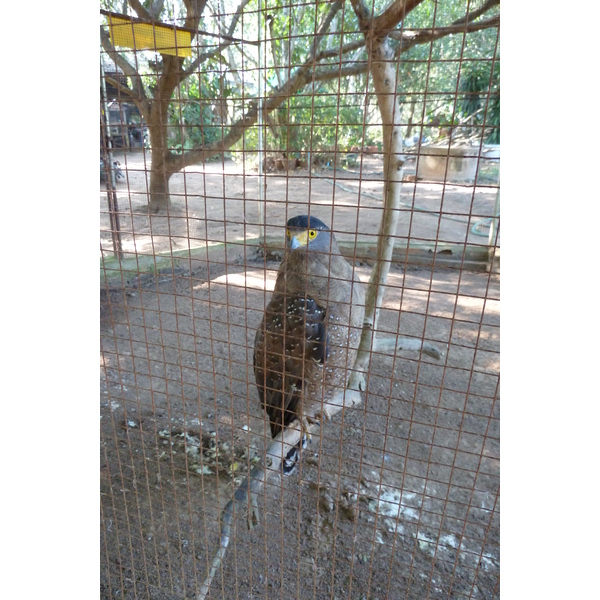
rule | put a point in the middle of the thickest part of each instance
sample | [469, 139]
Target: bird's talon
[306, 423]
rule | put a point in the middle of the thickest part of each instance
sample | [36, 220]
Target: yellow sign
[145, 36]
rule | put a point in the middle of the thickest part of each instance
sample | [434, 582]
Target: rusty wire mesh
[398, 497]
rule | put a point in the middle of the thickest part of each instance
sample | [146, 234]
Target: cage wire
[220, 121]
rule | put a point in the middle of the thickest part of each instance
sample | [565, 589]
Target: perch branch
[246, 494]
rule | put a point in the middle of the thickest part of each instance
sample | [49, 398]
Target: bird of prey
[306, 343]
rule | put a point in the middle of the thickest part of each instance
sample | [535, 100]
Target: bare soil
[398, 498]
[218, 202]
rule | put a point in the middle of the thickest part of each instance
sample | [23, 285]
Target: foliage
[444, 84]
[336, 114]
[325, 116]
[431, 76]
[480, 84]
[319, 121]
[194, 114]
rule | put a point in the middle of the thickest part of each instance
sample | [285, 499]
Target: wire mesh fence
[220, 122]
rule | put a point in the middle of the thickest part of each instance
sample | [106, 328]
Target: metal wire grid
[402, 497]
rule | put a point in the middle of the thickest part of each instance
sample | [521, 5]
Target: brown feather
[309, 334]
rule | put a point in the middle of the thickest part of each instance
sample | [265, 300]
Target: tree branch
[120, 87]
[472, 15]
[140, 10]
[351, 46]
[410, 38]
[157, 7]
[128, 69]
[194, 10]
[301, 78]
[392, 15]
[208, 55]
[324, 28]
[327, 74]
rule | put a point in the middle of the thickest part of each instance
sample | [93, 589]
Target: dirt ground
[398, 498]
[218, 203]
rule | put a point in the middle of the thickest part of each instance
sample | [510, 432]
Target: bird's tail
[289, 463]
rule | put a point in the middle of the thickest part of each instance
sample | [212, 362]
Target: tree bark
[163, 160]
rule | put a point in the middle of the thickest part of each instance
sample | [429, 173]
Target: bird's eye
[312, 234]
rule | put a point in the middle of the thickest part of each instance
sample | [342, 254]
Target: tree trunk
[383, 67]
[160, 174]
[163, 161]
[159, 199]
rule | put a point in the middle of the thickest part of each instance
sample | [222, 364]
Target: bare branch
[390, 345]
[157, 8]
[324, 28]
[477, 13]
[392, 15]
[208, 55]
[140, 10]
[246, 495]
[411, 38]
[301, 78]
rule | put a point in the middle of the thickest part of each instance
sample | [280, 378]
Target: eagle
[307, 341]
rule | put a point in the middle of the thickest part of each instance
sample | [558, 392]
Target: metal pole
[261, 154]
[492, 241]
[111, 192]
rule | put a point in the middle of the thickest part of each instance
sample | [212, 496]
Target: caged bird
[306, 344]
